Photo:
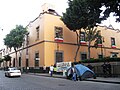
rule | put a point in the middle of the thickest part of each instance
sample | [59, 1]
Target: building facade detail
[50, 41]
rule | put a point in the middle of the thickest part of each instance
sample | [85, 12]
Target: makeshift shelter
[82, 72]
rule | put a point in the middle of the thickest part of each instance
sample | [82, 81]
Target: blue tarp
[81, 72]
[81, 69]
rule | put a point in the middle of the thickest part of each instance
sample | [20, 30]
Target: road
[33, 82]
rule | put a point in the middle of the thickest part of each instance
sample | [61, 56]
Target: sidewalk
[113, 80]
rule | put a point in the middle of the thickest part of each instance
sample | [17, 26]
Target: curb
[47, 75]
[103, 81]
[95, 80]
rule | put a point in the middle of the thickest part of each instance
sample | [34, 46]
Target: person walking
[104, 66]
[74, 77]
[109, 69]
[51, 70]
[44, 69]
[74, 74]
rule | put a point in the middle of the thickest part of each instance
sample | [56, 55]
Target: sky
[21, 12]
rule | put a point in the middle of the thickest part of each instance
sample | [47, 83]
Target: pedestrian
[44, 69]
[90, 66]
[109, 69]
[104, 67]
[51, 70]
[74, 75]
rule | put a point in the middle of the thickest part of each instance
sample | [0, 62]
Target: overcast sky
[21, 12]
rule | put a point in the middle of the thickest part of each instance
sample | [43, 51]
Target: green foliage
[111, 6]
[16, 37]
[81, 14]
[92, 34]
[7, 58]
[99, 40]
[1, 60]
[105, 59]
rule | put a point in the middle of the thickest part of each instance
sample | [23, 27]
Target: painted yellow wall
[47, 46]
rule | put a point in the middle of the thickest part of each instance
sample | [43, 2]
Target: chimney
[48, 7]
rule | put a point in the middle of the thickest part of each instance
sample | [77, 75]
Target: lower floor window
[59, 56]
[36, 63]
[37, 59]
[19, 61]
[27, 64]
[14, 62]
[83, 56]
[114, 55]
[100, 56]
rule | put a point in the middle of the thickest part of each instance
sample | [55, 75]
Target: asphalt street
[33, 82]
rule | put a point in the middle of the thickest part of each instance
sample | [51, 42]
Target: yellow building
[41, 47]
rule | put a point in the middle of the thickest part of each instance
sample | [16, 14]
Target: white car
[11, 72]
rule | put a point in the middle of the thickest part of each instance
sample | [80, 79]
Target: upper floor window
[82, 38]
[27, 39]
[99, 41]
[37, 32]
[59, 33]
[112, 41]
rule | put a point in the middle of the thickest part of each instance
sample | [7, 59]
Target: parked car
[11, 72]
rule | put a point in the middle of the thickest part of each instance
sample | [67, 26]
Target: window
[14, 62]
[37, 31]
[82, 36]
[59, 57]
[114, 54]
[83, 56]
[27, 39]
[112, 41]
[58, 33]
[27, 64]
[37, 59]
[100, 56]
[19, 61]
[99, 41]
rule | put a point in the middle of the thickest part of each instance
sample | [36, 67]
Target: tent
[82, 72]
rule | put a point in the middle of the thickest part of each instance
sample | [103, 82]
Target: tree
[99, 40]
[112, 6]
[79, 15]
[91, 35]
[7, 58]
[15, 39]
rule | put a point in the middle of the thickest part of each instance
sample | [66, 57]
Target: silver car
[11, 72]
